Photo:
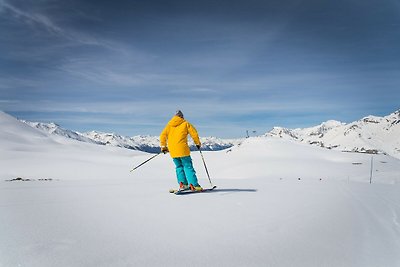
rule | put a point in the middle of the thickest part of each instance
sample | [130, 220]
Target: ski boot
[183, 186]
[196, 187]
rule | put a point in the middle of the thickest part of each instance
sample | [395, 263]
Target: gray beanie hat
[179, 113]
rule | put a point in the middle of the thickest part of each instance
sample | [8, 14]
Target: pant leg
[190, 173]
[180, 172]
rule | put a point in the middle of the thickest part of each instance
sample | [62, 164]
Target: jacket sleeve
[193, 133]
[163, 136]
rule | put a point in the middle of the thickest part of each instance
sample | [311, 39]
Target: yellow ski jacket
[175, 133]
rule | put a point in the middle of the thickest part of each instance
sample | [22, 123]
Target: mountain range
[144, 143]
[371, 134]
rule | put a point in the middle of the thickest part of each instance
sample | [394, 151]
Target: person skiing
[175, 135]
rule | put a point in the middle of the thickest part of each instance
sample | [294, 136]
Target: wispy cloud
[195, 91]
[209, 108]
[33, 19]
[100, 72]
[65, 53]
[14, 83]
[44, 22]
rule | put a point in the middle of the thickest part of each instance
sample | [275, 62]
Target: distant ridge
[370, 134]
[144, 143]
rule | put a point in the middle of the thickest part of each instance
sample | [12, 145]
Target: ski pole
[145, 161]
[205, 166]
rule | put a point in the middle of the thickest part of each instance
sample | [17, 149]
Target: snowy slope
[18, 136]
[30, 152]
[371, 134]
[96, 213]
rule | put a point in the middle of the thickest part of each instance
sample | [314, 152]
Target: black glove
[198, 147]
[164, 150]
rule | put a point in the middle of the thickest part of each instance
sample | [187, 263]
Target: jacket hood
[176, 121]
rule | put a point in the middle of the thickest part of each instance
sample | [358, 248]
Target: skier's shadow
[232, 190]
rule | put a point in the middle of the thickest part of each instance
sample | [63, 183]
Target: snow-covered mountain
[144, 143]
[141, 142]
[151, 144]
[371, 134]
[55, 129]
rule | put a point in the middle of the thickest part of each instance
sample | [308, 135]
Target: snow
[369, 134]
[96, 213]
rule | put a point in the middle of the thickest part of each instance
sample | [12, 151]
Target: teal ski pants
[185, 172]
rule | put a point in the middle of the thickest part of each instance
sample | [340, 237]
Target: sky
[229, 65]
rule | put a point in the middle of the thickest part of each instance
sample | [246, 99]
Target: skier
[175, 133]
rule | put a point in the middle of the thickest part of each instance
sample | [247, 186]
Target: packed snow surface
[278, 203]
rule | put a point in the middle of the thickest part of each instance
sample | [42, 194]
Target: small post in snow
[372, 165]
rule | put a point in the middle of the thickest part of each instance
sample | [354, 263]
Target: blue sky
[230, 66]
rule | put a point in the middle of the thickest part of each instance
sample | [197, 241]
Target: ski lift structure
[254, 132]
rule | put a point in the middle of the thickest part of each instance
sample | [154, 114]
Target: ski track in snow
[283, 223]
[395, 208]
[373, 211]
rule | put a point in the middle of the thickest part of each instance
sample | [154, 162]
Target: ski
[188, 191]
[174, 191]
